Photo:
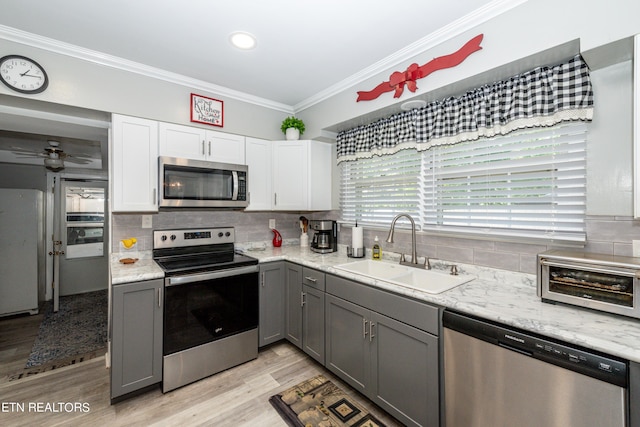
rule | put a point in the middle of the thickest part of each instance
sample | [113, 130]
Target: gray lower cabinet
[293, 303]
[272, 313]
[136, 338]
[347, 349]
[305, 309]
[313, 322]
[387, 350]
[404, 371]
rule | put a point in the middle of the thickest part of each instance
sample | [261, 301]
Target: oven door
[205, 307]
[604, 288]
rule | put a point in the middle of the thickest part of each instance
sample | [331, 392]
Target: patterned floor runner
[318, 402]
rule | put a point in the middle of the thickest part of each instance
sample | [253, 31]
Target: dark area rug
[27, 372]
[77, 331]
[318, 402]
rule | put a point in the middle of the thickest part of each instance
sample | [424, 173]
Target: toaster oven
[596, 281]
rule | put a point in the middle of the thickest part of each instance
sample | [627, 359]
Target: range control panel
[163, 239]
[579, 360]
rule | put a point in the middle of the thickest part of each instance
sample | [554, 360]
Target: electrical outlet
[147, 221]
[636, 248]
[272, 224]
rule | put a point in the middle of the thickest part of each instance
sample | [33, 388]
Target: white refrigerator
[22, 263]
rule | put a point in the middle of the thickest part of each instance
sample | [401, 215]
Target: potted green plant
[292, 127]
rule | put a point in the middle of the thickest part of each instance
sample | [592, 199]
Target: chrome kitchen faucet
[414, 255]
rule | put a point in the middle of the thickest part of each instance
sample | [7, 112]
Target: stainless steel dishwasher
[497, 376]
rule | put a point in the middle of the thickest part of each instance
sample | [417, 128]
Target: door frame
[53, 180]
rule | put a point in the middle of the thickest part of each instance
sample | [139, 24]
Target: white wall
[83, 84]
[610, 142]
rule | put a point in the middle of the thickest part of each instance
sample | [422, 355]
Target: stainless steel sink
[430, 281]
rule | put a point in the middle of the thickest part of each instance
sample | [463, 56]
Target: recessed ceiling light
[410, 105]
[243, 40]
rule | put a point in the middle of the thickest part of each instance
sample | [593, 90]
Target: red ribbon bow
[398, 80]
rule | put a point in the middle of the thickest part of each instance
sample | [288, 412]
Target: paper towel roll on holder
[356, 250]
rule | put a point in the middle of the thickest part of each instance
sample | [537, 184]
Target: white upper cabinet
[258, 156]
[182, 141]
[291, 170]
[226, 147]
[283, 175]
[134, 164]
[320, 185]
[200, 144]
[289, 175]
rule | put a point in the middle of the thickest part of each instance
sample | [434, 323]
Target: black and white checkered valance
[541, 97]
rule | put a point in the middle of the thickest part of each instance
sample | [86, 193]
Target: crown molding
[466, 23]
[122, 64]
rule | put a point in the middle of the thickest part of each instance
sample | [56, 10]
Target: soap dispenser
[376, 251]
[277, 238]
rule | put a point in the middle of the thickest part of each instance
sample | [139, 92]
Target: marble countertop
[143, 269]
[506, 297]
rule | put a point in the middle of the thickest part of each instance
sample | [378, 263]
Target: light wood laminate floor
[236, 397]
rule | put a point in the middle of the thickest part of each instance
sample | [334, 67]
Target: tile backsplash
[250, 226]
[605, 234]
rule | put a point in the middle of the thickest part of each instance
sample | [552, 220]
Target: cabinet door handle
[209, 147]
[371, 336]
[364, 328]
[159, 297]
[275, 199]
[154, 193]
[262, 279]
[302, 299]
[311, 279]
[203, 147]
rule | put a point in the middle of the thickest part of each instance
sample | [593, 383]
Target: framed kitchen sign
[206, 110]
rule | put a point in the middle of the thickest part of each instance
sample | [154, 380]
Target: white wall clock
[22, 74]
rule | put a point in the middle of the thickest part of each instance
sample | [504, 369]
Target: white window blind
[374, 190]
[530, 184]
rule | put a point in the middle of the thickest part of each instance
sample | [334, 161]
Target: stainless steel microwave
[597, 281]
[201, 184]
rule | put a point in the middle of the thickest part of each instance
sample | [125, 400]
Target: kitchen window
[529, 184]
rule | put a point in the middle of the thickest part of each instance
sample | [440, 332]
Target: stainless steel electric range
[210, 304]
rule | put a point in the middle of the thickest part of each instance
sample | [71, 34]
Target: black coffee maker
[325, 238]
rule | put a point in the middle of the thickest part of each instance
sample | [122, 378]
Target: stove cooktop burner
[203, 262]
[186, 251]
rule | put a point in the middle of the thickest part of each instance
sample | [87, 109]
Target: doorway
[75, 217]
[74, 314]
[82, 223]
[26, 128]
[77, 236]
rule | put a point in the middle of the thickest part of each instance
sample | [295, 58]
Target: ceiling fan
[54, 156]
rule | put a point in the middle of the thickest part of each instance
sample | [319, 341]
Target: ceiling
[304, 47]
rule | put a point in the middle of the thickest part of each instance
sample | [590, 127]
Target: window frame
[569, 209]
